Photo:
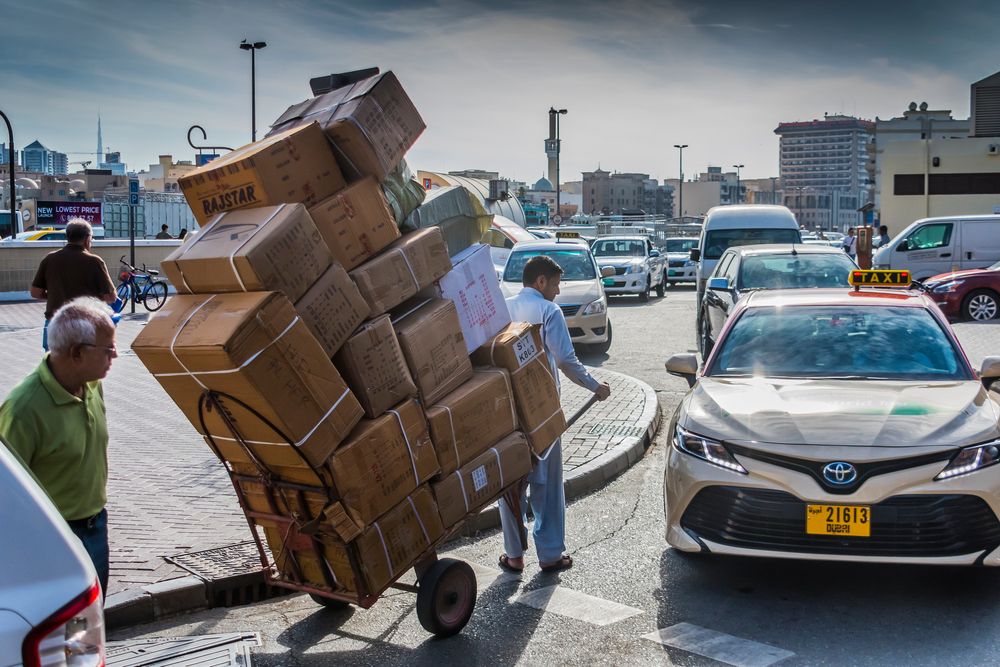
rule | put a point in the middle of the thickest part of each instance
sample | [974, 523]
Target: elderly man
[70, 272]
[54, 421]
[535, 305]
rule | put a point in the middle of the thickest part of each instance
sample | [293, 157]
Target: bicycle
[140, 286]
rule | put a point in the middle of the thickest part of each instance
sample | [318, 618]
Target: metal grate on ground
[234, 560]
[231, 649]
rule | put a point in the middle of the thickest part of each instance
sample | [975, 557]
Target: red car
[968, 295]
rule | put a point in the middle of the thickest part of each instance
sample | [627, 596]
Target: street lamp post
[555, 113]
[252, 47]
[680, 181]
[738, 167]
[12, 194]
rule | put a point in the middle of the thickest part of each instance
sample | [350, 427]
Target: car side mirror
[683, 365]
[607, 271]
[695, 254]
[719, 284]
[903, 246]
[654, 253]
[990, 371]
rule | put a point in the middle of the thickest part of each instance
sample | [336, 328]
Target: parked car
[638, 266]
[745, 269]
[680, 266]
[969, 295]
[750, 224]
[501, 237]
[933, 246]
[51, 609]
[581, 296]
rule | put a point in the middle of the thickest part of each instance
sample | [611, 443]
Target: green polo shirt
[61, 438]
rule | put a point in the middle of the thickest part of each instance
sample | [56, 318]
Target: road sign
[557, 219]
[133, 186]
[133, 199]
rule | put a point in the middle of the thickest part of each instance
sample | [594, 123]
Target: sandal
[563, 563]
[504, 563]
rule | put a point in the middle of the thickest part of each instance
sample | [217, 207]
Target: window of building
[964, 184]
[908, 184]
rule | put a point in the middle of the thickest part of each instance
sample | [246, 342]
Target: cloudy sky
[636, 77]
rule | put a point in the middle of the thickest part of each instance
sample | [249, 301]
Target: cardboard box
[470, 419]
[371, 123]
[385, 550]
[431, 339]
[272, 248]
[253, 347]
[332, 308]
[472, 284]
[374, 366]
[383, 461]
[518, 349]
[456, 212]
[402, 269]
[356, 222]
[296, 166]
[479, 482]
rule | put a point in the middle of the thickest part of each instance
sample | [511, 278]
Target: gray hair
[77, 230]
[77, 322]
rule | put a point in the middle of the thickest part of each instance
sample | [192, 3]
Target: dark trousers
[93, 532]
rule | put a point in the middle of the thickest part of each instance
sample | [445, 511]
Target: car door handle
[945, 254]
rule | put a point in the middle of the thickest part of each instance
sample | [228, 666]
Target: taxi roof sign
[879, 278]
[567, 235]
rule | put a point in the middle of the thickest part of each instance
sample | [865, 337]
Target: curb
[189, 593]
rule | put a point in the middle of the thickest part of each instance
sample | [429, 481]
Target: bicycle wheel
[154, 296]
[124, 292]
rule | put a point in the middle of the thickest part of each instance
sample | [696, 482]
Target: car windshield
[718, 240]
[995, 267]
[681, 245]
[839, 341]
[619, 248]
[576, 264]
[787, 271]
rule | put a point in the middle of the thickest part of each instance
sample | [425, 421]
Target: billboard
[58, 213]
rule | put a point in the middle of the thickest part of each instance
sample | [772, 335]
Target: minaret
[100, 142]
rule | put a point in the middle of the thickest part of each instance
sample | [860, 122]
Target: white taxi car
[837, 424]
[581, 295]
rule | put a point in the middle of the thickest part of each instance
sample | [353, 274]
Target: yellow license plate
[848, 520]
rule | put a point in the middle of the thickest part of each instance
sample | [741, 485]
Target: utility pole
[737, 167]
[12, 193]
[555, 147]
[252, 48]
[680, 182]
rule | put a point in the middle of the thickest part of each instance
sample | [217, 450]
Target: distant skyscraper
[36, 157]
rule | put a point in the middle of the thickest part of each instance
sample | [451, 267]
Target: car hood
[618, 261]
[773, 414]
[571, 292]
[953, 275]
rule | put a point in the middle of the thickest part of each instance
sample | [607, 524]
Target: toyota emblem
[840, 473]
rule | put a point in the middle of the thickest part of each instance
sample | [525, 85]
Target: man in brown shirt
[70, 272]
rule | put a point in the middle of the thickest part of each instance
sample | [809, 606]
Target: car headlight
[690, 262]
[706, 449]
[595, 307]
[633, 268]
[949, 286]
[971, 459]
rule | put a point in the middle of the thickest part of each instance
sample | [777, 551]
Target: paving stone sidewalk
[168, 494]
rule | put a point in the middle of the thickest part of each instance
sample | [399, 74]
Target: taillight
[71, 637]
[123, 275]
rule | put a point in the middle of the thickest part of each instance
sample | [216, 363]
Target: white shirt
[531, 307]
[850, 245]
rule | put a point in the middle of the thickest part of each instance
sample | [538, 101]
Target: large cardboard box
[332, 308]
[472, 284]
[356, 222]
[253, 347]
[470, 419]
[296, 166]
[481, 480]
[371, 123]
[374, 366]
[383, 461]
[385, 550]
[518, 349]
[272, 248]
[402, 269]
[431, 339]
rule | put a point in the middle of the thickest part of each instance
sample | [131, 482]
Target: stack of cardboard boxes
[338, 350]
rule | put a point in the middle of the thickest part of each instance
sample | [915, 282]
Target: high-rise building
[823, 167]
[37, 158]
[6, 154]
[609, 193]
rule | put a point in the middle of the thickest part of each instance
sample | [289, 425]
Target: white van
[743, 224]
[932, 246]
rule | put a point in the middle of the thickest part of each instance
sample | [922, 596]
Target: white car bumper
[629, 283]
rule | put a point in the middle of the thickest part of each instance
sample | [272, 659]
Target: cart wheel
[329, 603]
[446, 597]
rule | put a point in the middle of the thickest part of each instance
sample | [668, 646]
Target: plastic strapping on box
[499, 467]
[403, 316]
[385, 550]
[187, 246]
[406, 260]
[454, 438]
[423, 529]
[510, 395]
[461, 483]
[173, 341]
[406, 438]
[232, 255]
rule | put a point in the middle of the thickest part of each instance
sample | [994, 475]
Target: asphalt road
[627, 584]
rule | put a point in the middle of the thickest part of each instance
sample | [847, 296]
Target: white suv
[638, 266]
[51, 612]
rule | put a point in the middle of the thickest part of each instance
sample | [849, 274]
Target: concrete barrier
[20, 259]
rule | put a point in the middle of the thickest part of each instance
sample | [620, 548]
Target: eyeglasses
[110, 350]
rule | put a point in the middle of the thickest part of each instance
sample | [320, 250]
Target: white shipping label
[479, 478]
[525, 349]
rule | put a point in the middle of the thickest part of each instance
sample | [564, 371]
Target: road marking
[487, 576]
[574, 604]
[718, 646]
